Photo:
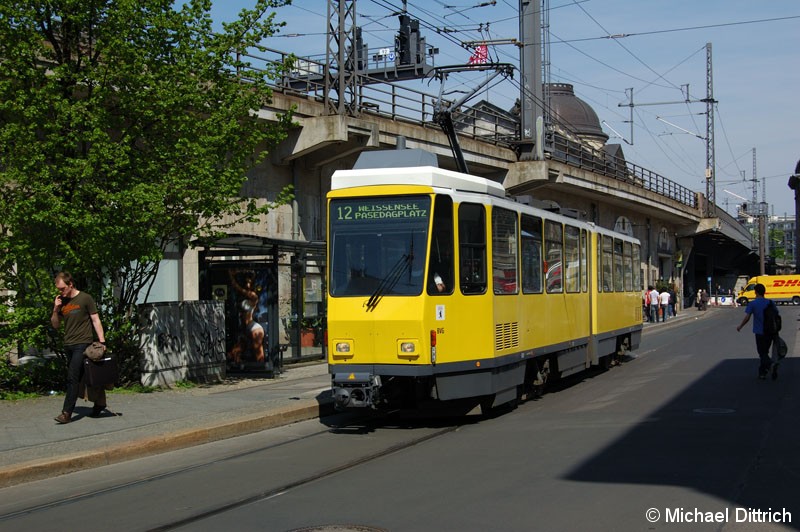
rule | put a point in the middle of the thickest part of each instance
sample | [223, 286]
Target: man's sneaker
[774, 372]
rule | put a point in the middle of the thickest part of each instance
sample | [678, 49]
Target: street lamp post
[794, 184]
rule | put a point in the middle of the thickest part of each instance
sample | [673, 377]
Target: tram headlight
[408, 348]
[343, 347]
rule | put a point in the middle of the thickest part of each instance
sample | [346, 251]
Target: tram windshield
[378, 245]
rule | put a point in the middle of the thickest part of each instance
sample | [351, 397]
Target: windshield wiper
[391, 279]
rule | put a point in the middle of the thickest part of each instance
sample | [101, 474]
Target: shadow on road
[729, 435]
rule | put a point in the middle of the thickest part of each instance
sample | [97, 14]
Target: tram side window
[472, 248]
[637, 271]
[608, 264]
[618, 274]
[584, 259]
[598, 263]
[504, 251]
[440, 267]
[628, 268]
[531, 254]
[572, 258]
[553, 254]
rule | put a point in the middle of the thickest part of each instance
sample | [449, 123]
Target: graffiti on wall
[182, 341]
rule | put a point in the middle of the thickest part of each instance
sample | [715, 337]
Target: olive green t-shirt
[75, 314]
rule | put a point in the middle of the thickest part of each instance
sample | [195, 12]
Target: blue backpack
[772, 319]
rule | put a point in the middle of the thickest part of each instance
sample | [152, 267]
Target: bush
[33, 378]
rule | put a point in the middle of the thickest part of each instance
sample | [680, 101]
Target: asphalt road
[684, 432]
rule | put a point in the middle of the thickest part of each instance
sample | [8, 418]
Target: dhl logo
[778, 283]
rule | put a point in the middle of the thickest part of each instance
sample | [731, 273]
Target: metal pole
[531, 96]
[762, 222]
[796, 227]
[794, 184]
[711, 187]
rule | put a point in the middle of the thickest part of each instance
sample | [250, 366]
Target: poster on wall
[247, 297]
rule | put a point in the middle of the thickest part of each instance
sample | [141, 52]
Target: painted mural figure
[250, 344]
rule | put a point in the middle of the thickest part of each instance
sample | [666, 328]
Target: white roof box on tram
[416, 175]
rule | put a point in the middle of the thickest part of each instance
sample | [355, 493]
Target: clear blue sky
[756, 73]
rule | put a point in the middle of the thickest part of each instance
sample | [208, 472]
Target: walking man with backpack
[766, 324]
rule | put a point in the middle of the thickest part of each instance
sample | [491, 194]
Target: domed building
[574, 118]
[575, 129]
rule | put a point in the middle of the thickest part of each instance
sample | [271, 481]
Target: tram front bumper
[355, 390]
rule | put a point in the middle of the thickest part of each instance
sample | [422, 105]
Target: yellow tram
[441, 288]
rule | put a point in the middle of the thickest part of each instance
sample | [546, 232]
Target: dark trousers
[74, 374]
[763, 343]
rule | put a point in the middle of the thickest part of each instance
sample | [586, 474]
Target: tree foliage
[777, 243]
[123, 128]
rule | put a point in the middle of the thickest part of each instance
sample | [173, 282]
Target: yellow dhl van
[780, 288]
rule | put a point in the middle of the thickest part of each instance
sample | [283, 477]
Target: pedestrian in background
[663, 300]
[702, 299]
[652, 296]
[78, 312]
[755, 308]
[673, 301]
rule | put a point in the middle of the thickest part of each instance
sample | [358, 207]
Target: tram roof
[417, 175]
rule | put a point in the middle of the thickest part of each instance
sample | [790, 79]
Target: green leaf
[122, 129]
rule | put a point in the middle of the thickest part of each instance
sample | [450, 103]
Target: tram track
[94, 498]
[151, 478]
[278, 491]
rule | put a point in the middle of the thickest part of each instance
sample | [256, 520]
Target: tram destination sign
[380, 209]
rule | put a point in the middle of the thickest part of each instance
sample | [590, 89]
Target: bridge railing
[396, 102]
[484, 122]
[581, 156]
[392, 100]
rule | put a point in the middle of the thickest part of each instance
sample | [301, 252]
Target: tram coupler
[355, 390]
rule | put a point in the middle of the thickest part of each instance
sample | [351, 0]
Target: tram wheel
[486, 403]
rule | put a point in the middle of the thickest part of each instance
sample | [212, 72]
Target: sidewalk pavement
[33, 446]
[683, 315]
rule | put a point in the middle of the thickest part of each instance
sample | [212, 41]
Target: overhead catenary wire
[685, 28]
[660, 76]
[488, 22]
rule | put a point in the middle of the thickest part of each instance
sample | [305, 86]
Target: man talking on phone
[78, 311]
